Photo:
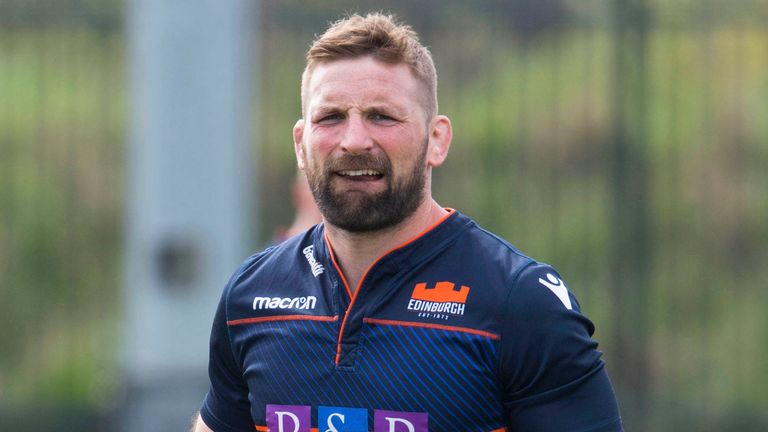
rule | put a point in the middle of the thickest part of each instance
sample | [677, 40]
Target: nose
[355, 137]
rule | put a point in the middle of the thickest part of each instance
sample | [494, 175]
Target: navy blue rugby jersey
[455, 330]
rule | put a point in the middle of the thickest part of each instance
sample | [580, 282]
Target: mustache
[379, 163]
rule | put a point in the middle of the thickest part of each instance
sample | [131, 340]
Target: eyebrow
[385, 108]
[374, 107]
[327, 108]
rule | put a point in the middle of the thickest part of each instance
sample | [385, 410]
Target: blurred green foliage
[61, 128]
[630, 157]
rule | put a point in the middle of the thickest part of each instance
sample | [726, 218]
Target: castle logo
[440, 301]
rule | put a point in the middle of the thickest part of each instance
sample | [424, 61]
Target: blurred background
[623, 141]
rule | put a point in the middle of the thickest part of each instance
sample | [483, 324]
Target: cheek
[395, 138]
[403, 148]
[321, 141]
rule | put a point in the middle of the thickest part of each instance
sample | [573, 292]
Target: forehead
[362, 81]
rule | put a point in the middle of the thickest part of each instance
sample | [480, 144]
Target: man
[394, 314]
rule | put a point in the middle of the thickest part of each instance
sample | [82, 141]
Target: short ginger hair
[383, 38]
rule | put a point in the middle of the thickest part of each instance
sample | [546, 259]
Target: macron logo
[558, 287]
[309, 254]
[307, 302]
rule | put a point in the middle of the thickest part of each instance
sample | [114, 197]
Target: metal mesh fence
[624, 142]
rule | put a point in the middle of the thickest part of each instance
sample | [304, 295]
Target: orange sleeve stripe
[483, 333]
[282, 318]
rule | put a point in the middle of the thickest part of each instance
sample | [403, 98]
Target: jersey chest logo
[297, 418]
[441, 301]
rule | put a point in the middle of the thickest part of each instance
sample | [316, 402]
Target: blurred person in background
[394, 313]
[307, 214]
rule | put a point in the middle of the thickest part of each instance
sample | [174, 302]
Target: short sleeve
[552, 373]
[226, 407]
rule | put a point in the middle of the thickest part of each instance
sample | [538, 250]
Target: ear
[298, 136]
[440, 136]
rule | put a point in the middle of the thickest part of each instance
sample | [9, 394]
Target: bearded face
[365, 143]
[363, 211]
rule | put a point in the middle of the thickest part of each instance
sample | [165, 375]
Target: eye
[382, 118]
[328, 119]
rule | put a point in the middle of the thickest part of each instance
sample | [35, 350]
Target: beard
[364, 212]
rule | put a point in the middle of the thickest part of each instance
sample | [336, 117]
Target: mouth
[360, 174]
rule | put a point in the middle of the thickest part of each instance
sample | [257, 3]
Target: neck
[356, 252]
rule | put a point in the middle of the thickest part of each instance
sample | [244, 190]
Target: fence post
[630, 262]
[189, 201]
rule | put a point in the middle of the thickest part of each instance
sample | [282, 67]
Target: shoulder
[285, 279]
[492, 257]
[523, 276]
[276, 262]
[500, 278]
[491, 247]
[519, 287]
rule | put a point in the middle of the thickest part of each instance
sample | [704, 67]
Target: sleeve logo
[557, 286]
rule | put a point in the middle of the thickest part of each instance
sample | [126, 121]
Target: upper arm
[226, 406]
[553, 375]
